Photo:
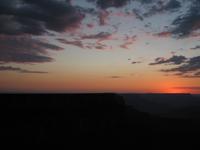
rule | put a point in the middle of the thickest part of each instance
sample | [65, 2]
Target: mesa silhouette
[66, 118]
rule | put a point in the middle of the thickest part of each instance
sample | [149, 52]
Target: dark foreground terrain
[93, 118]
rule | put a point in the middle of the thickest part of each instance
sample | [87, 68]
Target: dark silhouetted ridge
[91, 118]
[55, 118]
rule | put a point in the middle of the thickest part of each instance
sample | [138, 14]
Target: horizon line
[156, 93]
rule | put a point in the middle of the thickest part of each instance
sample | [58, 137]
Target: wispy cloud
[196, 47]
[164, 34]
[102, 36]
[186, 67]
[135, 62]
[77, 43]
[115, 77]
[175, 60]
[19, 70]
[128, 41]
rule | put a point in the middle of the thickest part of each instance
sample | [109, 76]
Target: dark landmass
[137, 119]
[166, 105]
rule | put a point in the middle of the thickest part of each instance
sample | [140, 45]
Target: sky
[77, 46]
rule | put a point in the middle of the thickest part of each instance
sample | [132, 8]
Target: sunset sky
[139, 46]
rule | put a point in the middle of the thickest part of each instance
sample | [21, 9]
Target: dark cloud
[172, 4]
[137, 14]
[188, 23]
[36, 17]
[189, 69]
[20, 70]
[145, 1]
[24, 49]
[160, 6]
[110, 3]
[196, 47]
[10, 25]
[175, 60]
[193, 64]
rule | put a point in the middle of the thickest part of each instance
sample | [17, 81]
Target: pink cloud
[163, 34]
[128, 41]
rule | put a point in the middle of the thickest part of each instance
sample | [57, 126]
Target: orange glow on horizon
[170, 87]
[174, 90]
[95, 83]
